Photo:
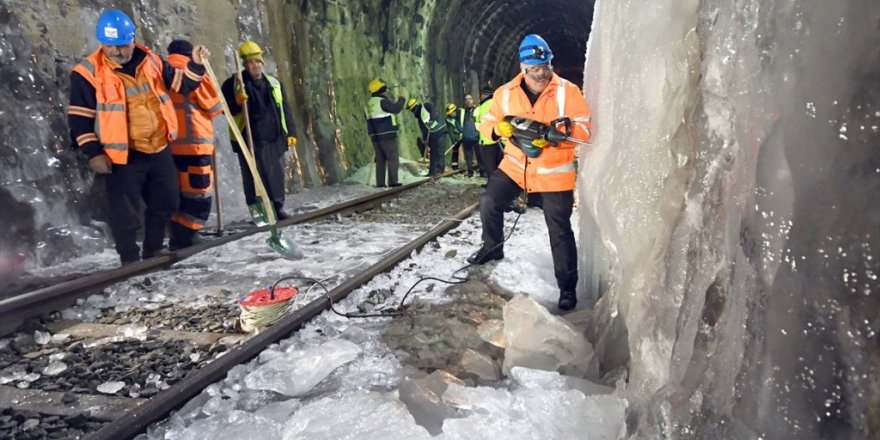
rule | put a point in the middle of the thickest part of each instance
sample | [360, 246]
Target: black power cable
[400, 309]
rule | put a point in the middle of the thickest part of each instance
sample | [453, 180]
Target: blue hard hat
[114, 28]
[534, 51]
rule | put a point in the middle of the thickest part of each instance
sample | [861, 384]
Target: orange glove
[291, 142]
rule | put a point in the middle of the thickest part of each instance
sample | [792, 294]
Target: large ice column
[733, 188]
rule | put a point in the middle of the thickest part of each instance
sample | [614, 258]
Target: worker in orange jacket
[193, 150]
[122, 118]
[541, 95]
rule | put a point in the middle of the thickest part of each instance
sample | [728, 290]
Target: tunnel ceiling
[482, 37]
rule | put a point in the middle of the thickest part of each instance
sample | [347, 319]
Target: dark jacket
[82, 94]
[425, 130]
[265, 117]
[393, 107]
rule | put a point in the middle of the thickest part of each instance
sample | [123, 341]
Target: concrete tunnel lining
[492, 31]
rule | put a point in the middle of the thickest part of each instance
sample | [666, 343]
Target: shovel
[282, 244]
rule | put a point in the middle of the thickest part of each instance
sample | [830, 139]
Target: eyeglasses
[543, 68]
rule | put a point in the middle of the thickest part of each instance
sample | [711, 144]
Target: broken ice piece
[12, 374]
[31, 377]
[55, 368]
[42, 338]
[59, 338]
[195, 357]
[137, 331]
[492, 331]
[111, 387]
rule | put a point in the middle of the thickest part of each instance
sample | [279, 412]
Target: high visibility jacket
[483, 109]
[455, 124]
[555, 169]
[277, 96]
[429, 123]
[379, 122]
[122, 111]
[194, 111]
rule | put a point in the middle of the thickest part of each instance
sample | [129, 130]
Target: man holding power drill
[539, 95]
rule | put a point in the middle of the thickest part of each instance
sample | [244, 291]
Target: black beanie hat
[180, 47]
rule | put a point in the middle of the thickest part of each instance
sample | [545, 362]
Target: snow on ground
[336, 379]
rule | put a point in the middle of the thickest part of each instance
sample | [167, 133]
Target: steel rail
[132, 423]
[17, 309]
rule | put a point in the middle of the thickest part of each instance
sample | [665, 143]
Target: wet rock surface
[437, 337]
[220, 318]
[31, 425]
[91, 366]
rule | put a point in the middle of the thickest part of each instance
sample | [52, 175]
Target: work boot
[484, 255]
[281, 215]
[395, 185]
[181, 236]
[567, 299]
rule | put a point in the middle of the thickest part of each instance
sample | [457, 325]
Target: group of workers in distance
[145, 124]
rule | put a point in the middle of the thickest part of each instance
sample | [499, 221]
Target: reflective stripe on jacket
[555, 169]
[114, 125]
[194, 113]
[479, 112]
[379, 121]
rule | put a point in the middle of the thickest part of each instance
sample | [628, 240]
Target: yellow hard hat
[411, 103]
[450, 109]
[375, 85]
[249, 49]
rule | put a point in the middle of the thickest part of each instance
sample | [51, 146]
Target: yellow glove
[291, 142]
[240, 95]
[504, 129]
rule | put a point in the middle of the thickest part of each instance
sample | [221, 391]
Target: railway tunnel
[727, 222]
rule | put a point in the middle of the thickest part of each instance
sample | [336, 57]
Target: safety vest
[112, 128]
[478, 114]
[555, 169]
[427, 120]
[379, 121]
[194, 113]
[279, 102]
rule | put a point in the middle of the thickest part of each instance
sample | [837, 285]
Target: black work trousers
[437, 144]
[147, 179]
[269, 157]
[387, 156]
[492, 155]
[557, 208]
[468, 147]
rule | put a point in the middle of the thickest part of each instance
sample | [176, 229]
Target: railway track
[17, 309]
[190, 354]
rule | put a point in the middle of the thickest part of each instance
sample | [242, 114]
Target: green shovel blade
[285, 245]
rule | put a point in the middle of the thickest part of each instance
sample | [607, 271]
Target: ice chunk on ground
[533, 413]
[279, 411]
[55, 368]
[480, 365]
[551, 380]
[233, 425]
[134, 331]
[296, 373]
[366, 416]
[537, 339]
[111, 387]
[42, 338]
[492, 331]
[422, 397]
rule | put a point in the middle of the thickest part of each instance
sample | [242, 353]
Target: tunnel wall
[732, 195]
[323, 52]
